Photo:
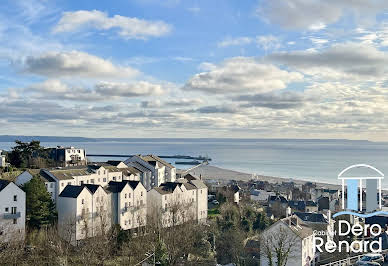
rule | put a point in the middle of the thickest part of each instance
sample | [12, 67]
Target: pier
[185, 157]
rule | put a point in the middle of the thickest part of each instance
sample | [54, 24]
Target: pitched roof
[190, 177]
[311, 217]
[300, 229]
[133, 183]
[130, 170]
[116, 187]
[152, 157]
[69, 173]
[189, 186]
[92, 188]
[71, 191]
[278, 198]
[311, 203]
[297, 204]
[3, 184]
[45, 177]
[198, 184]
[114, 163]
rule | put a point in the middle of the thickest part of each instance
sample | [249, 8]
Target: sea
[313, 160]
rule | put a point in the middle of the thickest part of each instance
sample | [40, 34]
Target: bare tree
[278, 246]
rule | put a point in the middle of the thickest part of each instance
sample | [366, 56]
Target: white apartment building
[83, 211]
[57, 179]
[12, 211]
[129, 199]
[289, 231]
[68, 156]
[176, 202]
[161, 171]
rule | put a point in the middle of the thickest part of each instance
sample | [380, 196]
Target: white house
[68, 156]
[289, 232]
[2, 159]
[12, 211]
[176, 202]
[83, 211]
[129, 199]
[261, 196]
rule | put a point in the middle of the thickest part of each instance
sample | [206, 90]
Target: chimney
[294, 221]
[288, 212]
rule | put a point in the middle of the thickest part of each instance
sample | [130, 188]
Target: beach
[208, 172]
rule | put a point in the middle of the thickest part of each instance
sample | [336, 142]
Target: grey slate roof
[71, 191]
[3, 184]
[311, 217]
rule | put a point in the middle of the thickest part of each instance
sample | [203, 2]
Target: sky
[195, 68]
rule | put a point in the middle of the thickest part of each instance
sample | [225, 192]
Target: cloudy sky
[195, 68]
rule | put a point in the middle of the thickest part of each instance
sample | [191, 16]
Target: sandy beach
[214, 172]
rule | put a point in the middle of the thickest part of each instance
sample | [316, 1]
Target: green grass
[213, 212]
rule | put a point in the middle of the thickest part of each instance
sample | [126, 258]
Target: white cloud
[129, 28]
[141, 88]
[347, 59]
[235, 41]
[316, 14]
[242, 74]
[75, 63]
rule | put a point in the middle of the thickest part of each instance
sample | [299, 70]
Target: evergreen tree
[40, 209]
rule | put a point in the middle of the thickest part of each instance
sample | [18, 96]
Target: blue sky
[181, 68]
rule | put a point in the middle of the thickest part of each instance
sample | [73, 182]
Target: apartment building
[68, 156]
[56, 180]
[83, 211]
[12, 211]
[161, 171]
[129, 199]
[176, 202]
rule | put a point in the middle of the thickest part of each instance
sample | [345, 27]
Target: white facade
[129, 203]
[12, 211]
[83, 211]
[97, 175]
[2, 160]
[298, 235]
[177, 202]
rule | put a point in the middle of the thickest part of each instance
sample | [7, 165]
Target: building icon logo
[355, 190]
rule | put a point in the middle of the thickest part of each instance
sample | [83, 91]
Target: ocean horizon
[313, 160]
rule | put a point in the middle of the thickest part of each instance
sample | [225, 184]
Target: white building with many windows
[129, 199]
[174, 203]
[83, 211]
[12, 211]
[68, 156]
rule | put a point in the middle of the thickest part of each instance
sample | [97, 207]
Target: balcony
[12, 215]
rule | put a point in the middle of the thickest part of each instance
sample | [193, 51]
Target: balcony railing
[12, 215]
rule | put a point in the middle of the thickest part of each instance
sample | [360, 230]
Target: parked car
[215, 202]
[371, 259]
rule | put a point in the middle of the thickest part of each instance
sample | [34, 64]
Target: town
[80, 204]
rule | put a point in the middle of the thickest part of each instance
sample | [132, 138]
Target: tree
[278, 245]
[40, 209]
[23, 152]
[229, 246]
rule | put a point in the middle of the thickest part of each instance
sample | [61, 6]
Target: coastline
[208, 172]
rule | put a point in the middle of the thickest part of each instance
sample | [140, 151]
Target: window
[141, 194]
[62, 184]
[15, 198]
[165, 207]
[129, 195]
[69, 183]
[6, 209]
[98, 172]
[92, 181]
[114, 178]
[46, 185]
[125, 223]
[201, 191]
[13, 210]
[82, 182]
[104, 172]
[129, 204]
[51, 185]
[99, 180]
[82, 201]
[165, 197]
[125, 195]
[79, 151]
[104, 179]
[126, 205]
[15, 221]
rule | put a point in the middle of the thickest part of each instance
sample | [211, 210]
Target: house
[131, 173]
[290, 232]
[311, 206]
[261, 196]
[161, 170]
[129, 199]
[2, 159]
[12, 211]
[57, 179]
[297, 205]
[83, 211]
[317, 222]
[230, 192]
[144, 173]
[173, 203]
[68, 156]
[26, 176]
[277, 206]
